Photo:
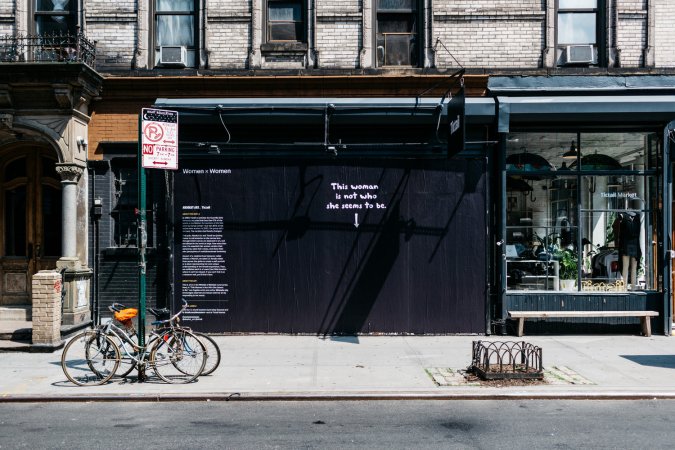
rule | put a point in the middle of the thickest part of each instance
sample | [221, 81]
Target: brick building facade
[270, 49]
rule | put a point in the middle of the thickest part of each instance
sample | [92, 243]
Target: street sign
[159, 139]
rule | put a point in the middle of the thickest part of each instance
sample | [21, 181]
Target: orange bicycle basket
[125, 315]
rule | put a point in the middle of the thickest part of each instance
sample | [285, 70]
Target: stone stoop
[19, 312]
[16, 328]
[15, 335]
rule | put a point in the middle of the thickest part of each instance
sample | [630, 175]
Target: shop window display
[580, 208]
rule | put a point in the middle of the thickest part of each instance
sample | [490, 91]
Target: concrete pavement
[309, 367]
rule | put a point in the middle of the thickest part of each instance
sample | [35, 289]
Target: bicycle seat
[161, 314]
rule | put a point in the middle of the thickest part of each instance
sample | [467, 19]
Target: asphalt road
[512, 424]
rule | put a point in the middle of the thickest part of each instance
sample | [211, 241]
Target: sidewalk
[364, 367]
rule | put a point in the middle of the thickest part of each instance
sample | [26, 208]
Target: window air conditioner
[173, 56]
[579, 54]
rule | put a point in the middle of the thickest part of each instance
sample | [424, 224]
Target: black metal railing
[47, 48]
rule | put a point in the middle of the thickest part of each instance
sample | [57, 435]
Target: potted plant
[568, 269]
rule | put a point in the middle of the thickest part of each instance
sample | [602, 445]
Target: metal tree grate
[506, 360]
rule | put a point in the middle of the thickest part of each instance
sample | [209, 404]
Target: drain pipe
[427, 35]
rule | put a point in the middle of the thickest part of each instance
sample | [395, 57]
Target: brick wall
[6, 29]
[229, 43]
[632, 40]
[502, 43]
[118, 279]
[7, 19]
[228, 34]
[117, 274]
[112, 122]
[336, 7]
[478, 33]
[113, 25]
[632, 32]
[338, 43]
[338, 37]
[46, 295]
[664, 33]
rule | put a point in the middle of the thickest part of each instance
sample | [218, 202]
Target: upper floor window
[285, 21]
[397, 33]
[578, 31]
[175, 33]
[55, 17]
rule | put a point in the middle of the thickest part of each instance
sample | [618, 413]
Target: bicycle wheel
[212, 353]
[90, 359]
[127, 361]
[178, 357]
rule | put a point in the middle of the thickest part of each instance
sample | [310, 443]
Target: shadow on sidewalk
[665, 361]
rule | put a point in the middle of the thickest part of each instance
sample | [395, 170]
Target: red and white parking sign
[159, 140]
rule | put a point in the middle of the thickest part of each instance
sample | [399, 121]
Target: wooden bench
[643, 315]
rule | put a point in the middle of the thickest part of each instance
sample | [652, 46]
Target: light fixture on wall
[81, 143]
[572, 153]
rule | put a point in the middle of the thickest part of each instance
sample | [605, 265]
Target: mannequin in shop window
[627, 228]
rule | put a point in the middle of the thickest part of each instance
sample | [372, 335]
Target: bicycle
[175, 354]
[212, 350]
[163, 316]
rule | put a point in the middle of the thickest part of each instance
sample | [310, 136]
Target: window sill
[283, 47]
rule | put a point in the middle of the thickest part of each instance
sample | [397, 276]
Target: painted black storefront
[378, 232]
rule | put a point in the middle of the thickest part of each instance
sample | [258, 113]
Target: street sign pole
[157, 149]
[141, 242]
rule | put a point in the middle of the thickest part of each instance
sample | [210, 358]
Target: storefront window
[580, 210]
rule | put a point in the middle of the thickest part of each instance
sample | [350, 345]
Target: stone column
[47, 286]
[76, 275]
[70, 175]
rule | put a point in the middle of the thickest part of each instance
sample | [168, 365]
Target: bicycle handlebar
[117, 307]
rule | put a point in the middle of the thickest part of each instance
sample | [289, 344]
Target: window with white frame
[285, 21]
[397, 33]
[55, 17]
[175, 23]
[578, 31]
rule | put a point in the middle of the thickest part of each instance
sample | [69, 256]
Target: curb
[316, 397]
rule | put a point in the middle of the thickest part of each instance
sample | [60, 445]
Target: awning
[351, 125]
[587, 109]
[477, 109]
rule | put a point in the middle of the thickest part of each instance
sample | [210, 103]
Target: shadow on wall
[353, 315]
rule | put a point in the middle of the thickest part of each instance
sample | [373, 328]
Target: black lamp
[572, 153]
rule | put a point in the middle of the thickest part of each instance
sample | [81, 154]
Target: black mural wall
[368, 246]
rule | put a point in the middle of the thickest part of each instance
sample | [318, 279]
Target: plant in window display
[568, 264]
[567, 258]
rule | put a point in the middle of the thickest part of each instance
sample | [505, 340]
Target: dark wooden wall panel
[415, 263]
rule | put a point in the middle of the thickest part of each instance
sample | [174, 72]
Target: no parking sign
[159, 139]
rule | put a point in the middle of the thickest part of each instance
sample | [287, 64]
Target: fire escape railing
[47, 48]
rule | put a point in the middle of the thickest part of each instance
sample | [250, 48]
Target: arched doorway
[30, 229]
